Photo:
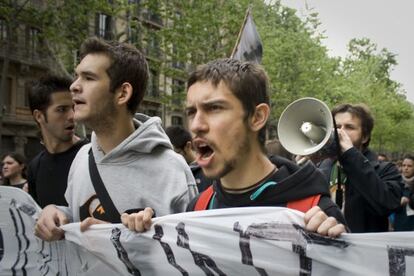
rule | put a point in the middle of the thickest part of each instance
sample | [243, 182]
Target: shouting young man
[227, 110]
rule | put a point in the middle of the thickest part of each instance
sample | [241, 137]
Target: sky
[387, 23]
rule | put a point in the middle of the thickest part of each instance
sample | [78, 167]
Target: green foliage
[197, 31]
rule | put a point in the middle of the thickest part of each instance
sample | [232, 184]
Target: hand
[26, 188]
[86, 223]
[344, 140]
[48, 225]
[317, 221]
[139, 222]
[404, 201]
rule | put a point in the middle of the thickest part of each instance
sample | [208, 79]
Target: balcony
[19, 52]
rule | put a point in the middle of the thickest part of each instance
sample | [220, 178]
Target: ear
[188, 146]
[260, 116]
[124, 93]
[38, 116]
[365, 139]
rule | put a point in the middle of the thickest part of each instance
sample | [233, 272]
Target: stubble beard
[231, 164]
[102, 119]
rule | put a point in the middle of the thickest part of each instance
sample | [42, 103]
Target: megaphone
[306, 126]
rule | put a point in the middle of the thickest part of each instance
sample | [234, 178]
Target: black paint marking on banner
[204, 262]
[244, 244]
[122, 253]
[19, 242]
[297, 235]
[1, 245]
[159, 233]
[396, 260]
[25, 238]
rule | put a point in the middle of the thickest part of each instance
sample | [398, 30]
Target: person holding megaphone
[367, 190]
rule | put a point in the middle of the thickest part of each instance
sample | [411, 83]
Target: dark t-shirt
[48, 175]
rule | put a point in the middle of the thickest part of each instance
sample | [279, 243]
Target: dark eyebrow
[213, 102]
[207, 104]
[86, 74]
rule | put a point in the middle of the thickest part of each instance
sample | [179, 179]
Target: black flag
[249, 46]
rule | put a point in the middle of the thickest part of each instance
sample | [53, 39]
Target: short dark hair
[178, 135]
[247, 81]
[128, 64]
[40, 91]
[19, 158]
[409, 156]
[362, 112]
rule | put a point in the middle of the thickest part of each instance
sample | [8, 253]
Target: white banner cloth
[242, 241]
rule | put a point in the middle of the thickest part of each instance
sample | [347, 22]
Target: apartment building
[24, 57]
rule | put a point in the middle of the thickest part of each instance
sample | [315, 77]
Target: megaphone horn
[306, 127]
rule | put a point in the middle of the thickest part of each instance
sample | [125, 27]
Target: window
[3, 29]
[176, 121]
[32, 40]
[7, 97]
[152, 89]
[134, 32]
[27, 87]
[176, 63]
[178, 87]
[103, 26]
[153, 45]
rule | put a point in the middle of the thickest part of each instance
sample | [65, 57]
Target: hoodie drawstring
[261, 189]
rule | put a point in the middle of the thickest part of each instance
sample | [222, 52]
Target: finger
[86, 223]
[147, 218]
[137, 223]
[48, 234]
[42, 231]
[326, 225]
[124, 219]
[315, 221]
[61, 218]
[310, 213]
[336, 231]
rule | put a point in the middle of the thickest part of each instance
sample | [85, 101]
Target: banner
[239, 241]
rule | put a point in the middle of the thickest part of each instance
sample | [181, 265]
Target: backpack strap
[111, 213]
[304, 204]
[204, 199]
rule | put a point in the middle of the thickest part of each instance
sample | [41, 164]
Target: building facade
[24, 58]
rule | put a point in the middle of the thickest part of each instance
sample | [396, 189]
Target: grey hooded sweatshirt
[142, 171]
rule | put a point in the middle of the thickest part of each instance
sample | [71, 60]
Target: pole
[240, 32]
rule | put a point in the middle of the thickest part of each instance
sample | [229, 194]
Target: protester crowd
[132, 169]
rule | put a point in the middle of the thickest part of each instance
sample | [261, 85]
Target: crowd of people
[132, 169]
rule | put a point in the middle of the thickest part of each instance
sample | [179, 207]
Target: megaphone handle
[338, 146]
[339, 190]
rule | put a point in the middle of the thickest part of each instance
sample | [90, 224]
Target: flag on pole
[248, 46]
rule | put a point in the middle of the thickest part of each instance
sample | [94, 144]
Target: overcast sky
[387, 23]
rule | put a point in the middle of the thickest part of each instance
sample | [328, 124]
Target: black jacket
[292, 183]
[372, 190]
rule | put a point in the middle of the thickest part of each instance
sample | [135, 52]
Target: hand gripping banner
[239, 241]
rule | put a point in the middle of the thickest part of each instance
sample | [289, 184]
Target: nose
[198, 123]
[75, 86]
[71, 114]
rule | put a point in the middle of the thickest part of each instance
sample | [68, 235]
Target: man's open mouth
[203, 149]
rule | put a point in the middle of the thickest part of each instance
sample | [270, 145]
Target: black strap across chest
[111, 213]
